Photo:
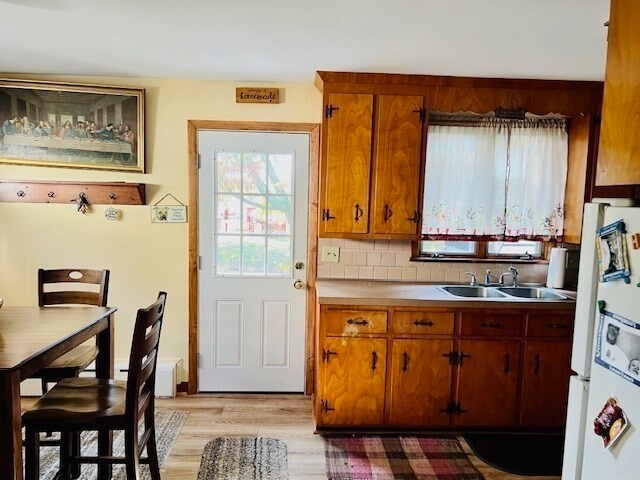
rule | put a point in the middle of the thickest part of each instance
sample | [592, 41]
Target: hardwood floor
[287, 417]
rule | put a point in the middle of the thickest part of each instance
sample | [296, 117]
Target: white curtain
[465, 180]
[496, 178]
[538, 163]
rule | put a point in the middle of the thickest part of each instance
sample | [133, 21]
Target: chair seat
[70, 364]
[77, 402]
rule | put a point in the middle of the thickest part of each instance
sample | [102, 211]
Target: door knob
[298, 284]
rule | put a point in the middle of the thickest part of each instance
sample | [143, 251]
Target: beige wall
[143, 257]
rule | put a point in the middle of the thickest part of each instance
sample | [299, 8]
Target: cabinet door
[397, 164]
[420, 382]
[619, 150]
[347, 165]
[487, 383]
[545, 384]
[353, 381]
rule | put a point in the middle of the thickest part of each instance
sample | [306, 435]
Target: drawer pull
[388, 213]
[405, 361]
[423, 323]
[374, 361]
[359, 213]
[536, 368]
[507, 363]
[357, 321]
[557, 326]
[491, 325]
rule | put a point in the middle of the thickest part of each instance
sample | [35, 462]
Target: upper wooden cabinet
[346, 199]
[346, 170]
[619, 152]
[398, 151]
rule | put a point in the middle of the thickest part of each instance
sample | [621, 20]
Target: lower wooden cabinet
[545, 383]
[352, 373]
[420, 392]
[487, 383]
[439, 368]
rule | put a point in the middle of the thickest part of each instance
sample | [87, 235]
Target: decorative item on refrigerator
[557, 268]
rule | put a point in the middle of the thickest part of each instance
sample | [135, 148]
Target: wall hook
[82, 204]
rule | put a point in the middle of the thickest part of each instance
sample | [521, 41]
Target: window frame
[481, 254]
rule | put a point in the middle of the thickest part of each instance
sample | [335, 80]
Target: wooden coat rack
[96, 193]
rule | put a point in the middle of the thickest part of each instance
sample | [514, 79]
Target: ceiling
[288, 40]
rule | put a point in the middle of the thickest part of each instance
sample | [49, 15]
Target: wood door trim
[313, 129]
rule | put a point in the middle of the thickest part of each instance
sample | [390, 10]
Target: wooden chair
[78, 359]
[95, 404]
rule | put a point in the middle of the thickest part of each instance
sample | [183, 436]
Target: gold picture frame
[71, 125]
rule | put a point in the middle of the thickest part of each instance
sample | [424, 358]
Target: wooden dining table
[31, 338]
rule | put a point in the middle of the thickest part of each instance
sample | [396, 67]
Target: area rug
[244, 458]
[168, 426]
[519, 453]
[397, 457]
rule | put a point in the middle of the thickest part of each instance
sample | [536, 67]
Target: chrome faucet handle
[474, 279]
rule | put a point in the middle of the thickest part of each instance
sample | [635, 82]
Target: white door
[253, 207]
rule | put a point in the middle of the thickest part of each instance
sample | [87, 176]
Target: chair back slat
[62, 277]
[144, 356]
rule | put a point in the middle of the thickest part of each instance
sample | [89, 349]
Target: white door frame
[312, 231]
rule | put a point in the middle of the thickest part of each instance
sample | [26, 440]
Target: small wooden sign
[257, 95]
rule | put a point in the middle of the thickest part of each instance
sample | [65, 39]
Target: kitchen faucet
[474, 280]
[514, 276]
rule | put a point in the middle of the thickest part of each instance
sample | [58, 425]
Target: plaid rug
[397, 457]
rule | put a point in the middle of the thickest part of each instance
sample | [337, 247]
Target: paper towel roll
[557, 267]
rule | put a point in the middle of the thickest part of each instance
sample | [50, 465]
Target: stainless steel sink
[474, 292]
[531, 292]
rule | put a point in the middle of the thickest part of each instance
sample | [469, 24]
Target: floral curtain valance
[496, 179]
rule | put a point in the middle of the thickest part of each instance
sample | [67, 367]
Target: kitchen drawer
[423, 322]
[355, 321]
[550, 325]
[492, 324]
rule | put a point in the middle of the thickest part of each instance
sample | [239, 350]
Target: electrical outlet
[330, 254]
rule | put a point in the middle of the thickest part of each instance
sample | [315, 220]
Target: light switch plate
[330, 254]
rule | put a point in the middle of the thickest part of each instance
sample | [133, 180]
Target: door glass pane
[280, 215]
[280, 173]
[253, 255]
[228, 214]
[228, 255]
[279, 256]
[254, 214]
[254, 173]
[229, 172]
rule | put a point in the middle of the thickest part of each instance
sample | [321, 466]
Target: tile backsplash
[390, 260]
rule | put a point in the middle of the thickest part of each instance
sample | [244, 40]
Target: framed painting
[68, 125]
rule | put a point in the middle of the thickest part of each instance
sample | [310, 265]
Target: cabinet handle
[558, 326]
[359, 212]
[388, 213]
[374, 361]
[415, 218]
[326, 216]
[536, 368]
[491, 325]
[423, 323]
[507, 362]
[405, 361]
[357, 321]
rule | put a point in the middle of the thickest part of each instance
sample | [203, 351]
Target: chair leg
[132, 454]
[75, 452]
[45, 389]
[105, 447]
[65, 453]
[32, 453]
[152, 449]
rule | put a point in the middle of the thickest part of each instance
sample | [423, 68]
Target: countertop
[380, 293]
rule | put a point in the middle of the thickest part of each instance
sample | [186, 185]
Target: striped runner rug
[397, 457]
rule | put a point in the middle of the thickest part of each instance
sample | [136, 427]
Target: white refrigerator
[610, 332]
